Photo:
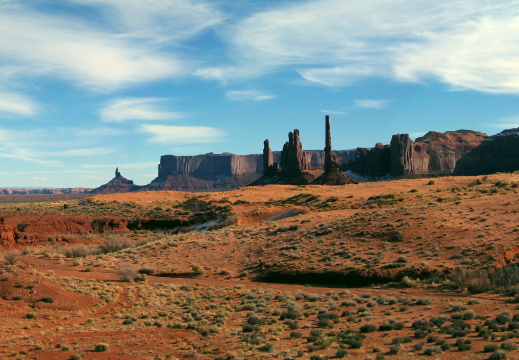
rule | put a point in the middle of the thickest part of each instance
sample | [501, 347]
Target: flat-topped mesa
[293, 157]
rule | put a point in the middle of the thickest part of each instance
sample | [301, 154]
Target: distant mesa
[462, 152]
[119, 184]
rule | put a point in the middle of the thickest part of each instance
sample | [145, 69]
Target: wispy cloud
[242, 95]
[36, 178]
[178, 135]
[507, 122]
[465, 44]
[139, 165]
[126, 42]
[333, 112]
[372, 103]
[17, 105]
[128, 109]
[94, 151]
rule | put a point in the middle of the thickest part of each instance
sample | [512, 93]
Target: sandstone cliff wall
[431, 155]
[498, 153]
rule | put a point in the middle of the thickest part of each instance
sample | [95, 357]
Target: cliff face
[372, 162]
[430, 155]
[210, 165]
[498, 153]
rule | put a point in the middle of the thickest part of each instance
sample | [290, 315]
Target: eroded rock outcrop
[119, 184]
[332, 174]
[433, 154]
[293, 157]
[497, 153]
[294, 168]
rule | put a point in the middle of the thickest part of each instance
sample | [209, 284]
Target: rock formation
[293, 157]
[498, 153]
[295, 165]
[118, 184]
[372, 162]
[401, 162]
[332, 174]
[431, 155]
[269, 166]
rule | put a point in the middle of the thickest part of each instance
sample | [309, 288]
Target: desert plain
[402, 269]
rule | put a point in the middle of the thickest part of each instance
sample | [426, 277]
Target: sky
[90, 85]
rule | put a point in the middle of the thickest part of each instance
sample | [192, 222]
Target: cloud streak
[181, 135]
[244, 95]
[17, 105]
[379, 104]
[129, 109]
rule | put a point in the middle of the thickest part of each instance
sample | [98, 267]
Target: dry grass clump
[113, 245]
[126, 272]
[12, 257]
[76, 251]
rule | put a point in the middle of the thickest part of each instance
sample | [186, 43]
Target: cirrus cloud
[179, 135]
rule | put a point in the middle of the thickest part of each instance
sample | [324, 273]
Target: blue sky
[88, 85]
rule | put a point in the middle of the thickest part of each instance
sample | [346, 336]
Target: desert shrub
[323, 323]
[292, 314]
[126, 272]
[508, 346]
[197, 269]
[101, 347]
[47, 299]
[325, 342]
[367, 328]
[146, 271]
[12, 257]
[142, 278]
[394, 349]
[76, 251]
[266, 348]
[354, 340]
[250, 328]
[504, 317]
[31, 315]
[431, 182]
[341, 353]
[113, 245]
[498, 355]
[418, 346]
[292, 325]
[490, 348]
[463, 344]
[295, 335]
[420, 334]
[434, 350]
[421, 325]
[253, 320]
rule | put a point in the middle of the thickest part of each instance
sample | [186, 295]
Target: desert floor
[421, 268]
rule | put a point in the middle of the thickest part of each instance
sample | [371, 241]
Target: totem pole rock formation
[269, 166]
[332, 174]
[293, 157]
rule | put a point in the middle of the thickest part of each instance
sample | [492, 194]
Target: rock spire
[293, 157]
